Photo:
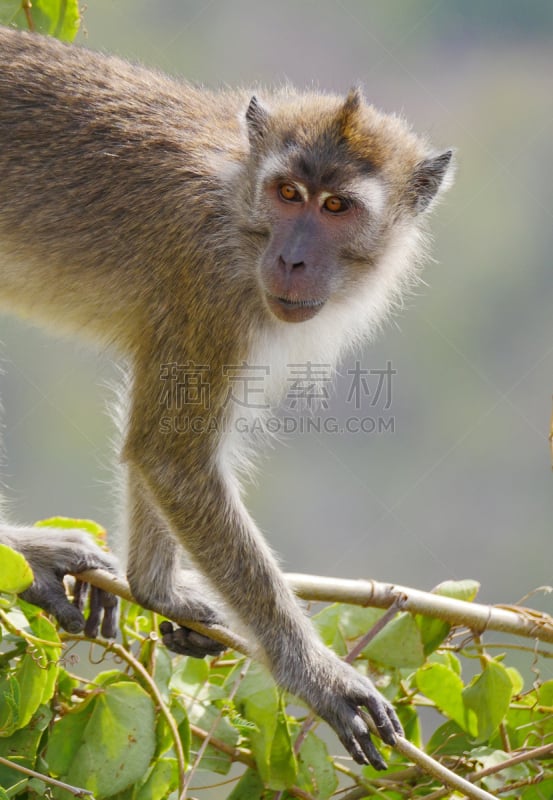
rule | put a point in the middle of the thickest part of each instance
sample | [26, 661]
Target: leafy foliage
[58, 18]
[130, 732]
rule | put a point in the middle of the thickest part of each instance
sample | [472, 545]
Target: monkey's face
[333, 185]
[311, 227]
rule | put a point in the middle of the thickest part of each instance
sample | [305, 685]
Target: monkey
[208, 231]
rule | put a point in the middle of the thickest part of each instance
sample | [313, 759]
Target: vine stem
[29, 637]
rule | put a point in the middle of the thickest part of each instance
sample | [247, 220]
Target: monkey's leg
[157, 580]
[54, 553]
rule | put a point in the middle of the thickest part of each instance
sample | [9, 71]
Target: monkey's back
[104, 167]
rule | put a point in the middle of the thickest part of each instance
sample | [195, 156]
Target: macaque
[211, 230]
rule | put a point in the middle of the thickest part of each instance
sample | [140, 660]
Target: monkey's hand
[342, 697]
[53, 554]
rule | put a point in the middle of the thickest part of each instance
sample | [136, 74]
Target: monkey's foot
[187, 642]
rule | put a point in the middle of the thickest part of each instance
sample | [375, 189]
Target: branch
[74, 790]
[443, 774]
[119, 586]
[512, 619]
[517, 620]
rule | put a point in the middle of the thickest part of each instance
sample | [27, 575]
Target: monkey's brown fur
[186, 226]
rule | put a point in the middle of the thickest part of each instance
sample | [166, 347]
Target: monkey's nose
[289, 266]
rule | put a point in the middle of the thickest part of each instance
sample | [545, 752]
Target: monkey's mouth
[294, 310]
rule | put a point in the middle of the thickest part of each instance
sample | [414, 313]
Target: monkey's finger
[365, 742]
[384, 717]
[353, 732]
[109, 622]
[80, 593]
[51, 597]
[92, 624]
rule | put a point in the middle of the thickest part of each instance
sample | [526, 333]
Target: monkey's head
[335, 188]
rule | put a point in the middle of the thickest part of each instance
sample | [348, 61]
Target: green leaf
[98, 533]
[10, 697]
[15, 573]
[209, 718]
[57, 17]
[22, 746]
[445, 688]
[545, 694]
[411, 723]
[316, 773]
[191, 679]
[249, 786]
[398, 644]
[542, 790]
[488, 696]
[449, 740]
[164, 735]
[488, 757]
[355, 621]
[271, 744]
[327, 622]
[516, 679]
[107, 743]
[434, 631]
[161, 781]
[9, 10]
[466, 589]
[198, 697]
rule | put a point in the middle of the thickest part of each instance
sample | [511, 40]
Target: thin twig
[27, 7]
[74, 790]
[518, 758]
[243, 757]
[204, 744]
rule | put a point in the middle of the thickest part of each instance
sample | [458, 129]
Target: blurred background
[462, 485]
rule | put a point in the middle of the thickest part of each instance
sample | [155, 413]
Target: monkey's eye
[335, 204]
[288, 192]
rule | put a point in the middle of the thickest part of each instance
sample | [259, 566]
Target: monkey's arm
[52, 554]
[187, 480]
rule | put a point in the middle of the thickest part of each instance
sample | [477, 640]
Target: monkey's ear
[349, 109]
[257, 120]
[429, 177]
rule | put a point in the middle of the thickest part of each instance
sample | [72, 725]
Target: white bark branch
[517, 620]
[479, 618]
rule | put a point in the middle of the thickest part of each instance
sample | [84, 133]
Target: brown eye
[336, 205]
[289, 193]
